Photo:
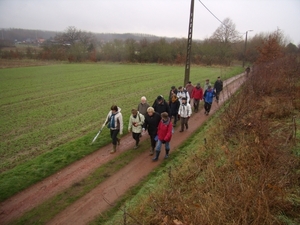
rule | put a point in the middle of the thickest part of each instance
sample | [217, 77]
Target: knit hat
[159, 98]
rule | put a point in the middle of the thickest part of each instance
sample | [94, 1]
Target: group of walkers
[160, 119]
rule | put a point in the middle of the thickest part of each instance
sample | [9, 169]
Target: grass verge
[47, 210]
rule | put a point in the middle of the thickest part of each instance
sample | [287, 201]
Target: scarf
[112, 121]
[174, 98]
[166, 122]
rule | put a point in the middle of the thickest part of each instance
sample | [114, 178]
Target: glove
[163, 141]
[178, 116]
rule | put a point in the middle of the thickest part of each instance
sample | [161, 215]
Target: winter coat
[218, 86]
[118, 125]
[197, 93]
[171, 93]
[185, 110]
[209, 95]
[164, 131]
[138, 121]
[142, 108]
[206, 86]
[162, 107]
[174, 106]
[151, 123]
[183, 94]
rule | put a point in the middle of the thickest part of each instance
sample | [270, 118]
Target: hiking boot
[118, 141]
[113, 150]
[135, 147]
[181, 131]
[156, 156]
[167, 153]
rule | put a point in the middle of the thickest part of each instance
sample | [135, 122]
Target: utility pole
[244, 56]
[189, 46]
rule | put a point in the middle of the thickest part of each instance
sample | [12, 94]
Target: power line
[212, 13]
[216, 16]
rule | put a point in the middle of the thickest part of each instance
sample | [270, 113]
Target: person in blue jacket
[209, 95]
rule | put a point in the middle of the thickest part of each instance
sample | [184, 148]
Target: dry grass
[246, 173]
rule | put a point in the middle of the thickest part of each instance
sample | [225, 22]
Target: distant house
[41, 40]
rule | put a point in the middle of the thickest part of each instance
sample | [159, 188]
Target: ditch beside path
[92, 204]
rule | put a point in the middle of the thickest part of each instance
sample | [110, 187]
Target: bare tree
[223, 39]
[226, 32]
[72, 36]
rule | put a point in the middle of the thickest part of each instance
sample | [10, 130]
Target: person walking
[218, 87]
[115, 124]
[197, 95]
[182, 93]
[208, 99]
[206, 85]
[174, 106]
[164, 135]
[189, 87]
[184, 113]
[160, 105]
[151, 122]
[173, 90]
[143, 106]
[136, 120]
[247, 71]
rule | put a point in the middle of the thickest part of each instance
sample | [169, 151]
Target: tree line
[225, 46]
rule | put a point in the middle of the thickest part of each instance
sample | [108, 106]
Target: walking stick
[99, 132]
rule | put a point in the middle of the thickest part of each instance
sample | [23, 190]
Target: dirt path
[95, 202]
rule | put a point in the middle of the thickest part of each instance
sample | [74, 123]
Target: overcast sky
[167, 18]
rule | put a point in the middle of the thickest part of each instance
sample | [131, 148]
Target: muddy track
[99, 199]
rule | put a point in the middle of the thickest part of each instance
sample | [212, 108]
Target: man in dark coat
[174, 106]
[218, 88]
[151, 122]
[160, 105]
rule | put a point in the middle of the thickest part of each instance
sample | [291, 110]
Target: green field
[50, 114]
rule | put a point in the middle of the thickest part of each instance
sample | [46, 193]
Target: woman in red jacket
[164, 135]
[197, 95]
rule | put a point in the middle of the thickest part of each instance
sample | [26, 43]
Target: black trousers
[113, 135]
[184, 122]
[218, 95]
[207, 106]
[152, 140]
[196, 104]
[136, 137]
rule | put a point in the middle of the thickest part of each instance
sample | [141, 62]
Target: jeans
[159, 143]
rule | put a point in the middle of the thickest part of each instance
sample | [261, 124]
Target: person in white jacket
[136, 121]
[184, 113]
[115, 124]
[183, 93]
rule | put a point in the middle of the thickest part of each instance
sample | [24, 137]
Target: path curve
[89, 206]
